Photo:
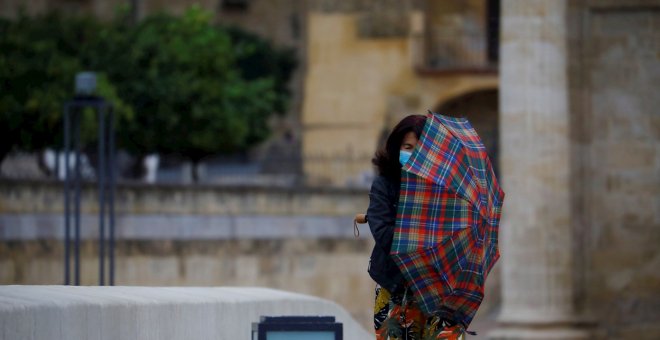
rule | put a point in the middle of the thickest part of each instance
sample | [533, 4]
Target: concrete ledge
[36, 226]
[146, 313]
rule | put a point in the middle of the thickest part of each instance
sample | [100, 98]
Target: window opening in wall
[493, 30]
[481, 109]
[234, 5]
[461, 35]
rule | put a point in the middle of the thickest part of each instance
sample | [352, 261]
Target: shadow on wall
[481, 108]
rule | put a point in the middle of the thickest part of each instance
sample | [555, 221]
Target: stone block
[630, 155]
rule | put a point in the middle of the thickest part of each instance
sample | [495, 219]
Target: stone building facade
[580, 157]
[370, 63]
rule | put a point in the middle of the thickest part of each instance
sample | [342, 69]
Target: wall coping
[146, 313]
[47, 226]
[135, 185]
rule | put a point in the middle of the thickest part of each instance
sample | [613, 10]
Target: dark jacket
[381, 215]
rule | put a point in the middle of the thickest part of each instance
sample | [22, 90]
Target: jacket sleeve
[381, 214]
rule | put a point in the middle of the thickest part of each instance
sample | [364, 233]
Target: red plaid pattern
[445, 240]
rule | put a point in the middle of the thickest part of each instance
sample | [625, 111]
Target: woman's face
[409, 141]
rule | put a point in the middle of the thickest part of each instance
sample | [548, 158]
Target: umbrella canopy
[445, 239]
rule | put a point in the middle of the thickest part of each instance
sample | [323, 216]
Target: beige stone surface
[622, 159]
[47, 197]
[580, 168]
[356, 88]
[536, 224]
[332, 269]
[536, 237]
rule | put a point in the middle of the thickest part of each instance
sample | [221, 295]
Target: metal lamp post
[85, 98]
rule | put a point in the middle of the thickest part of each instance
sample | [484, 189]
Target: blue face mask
[404, 156]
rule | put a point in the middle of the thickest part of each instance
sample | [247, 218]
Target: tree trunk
[195, 171]
[137, 169]
[5, 149]
[135, 11]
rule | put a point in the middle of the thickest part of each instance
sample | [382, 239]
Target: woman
[396, 314]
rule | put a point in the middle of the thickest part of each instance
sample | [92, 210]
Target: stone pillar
[536, 232]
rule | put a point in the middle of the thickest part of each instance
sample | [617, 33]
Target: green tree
[38, 61]
[180, 84]
[191, 97]
[35, 78]
[256, 57]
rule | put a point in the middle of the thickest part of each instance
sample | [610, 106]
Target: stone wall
[145, 313]
[457, 33]
[329, 268]
[298, 240]
[580, 164]
[620, 145]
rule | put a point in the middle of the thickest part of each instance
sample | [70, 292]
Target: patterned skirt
[398, 317]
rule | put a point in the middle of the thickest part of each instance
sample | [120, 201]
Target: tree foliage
[178, 84]
[36, 75]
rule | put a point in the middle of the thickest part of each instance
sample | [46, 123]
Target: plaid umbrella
[445, 239]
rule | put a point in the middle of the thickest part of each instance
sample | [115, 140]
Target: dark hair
[386, 158]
